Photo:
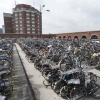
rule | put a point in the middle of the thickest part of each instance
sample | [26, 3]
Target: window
[33, 29]
[21, 29]
[38, 17]
[20, 25]
[17, 32]
[28, 25]
[33, 25]
[28, 28]
[17, 29]
[27, 14]
[20, 22]
[16, 18]
[16, 25]
[16, 14]
[21, 32]
[20, 17]
[32, 15]
[27, 10]
[28, 31]
[33, 11]
[20, 14]
[32, 22]
[23, 9]
[33, 32]
[27, 21]
[32, 18]
[27, 17]
[16, 21]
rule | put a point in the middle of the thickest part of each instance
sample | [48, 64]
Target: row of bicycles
[70, 68]
[6, 64]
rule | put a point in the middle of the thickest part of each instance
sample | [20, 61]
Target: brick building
[24, 20]
[8, 22]
[79, 35]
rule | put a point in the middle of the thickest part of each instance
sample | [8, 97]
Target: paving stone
[21, 90]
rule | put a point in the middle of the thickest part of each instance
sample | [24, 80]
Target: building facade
[8, 22]
[80, 35]
[25, 20]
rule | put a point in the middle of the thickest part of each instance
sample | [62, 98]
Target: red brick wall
[80, 34]
[8, 25]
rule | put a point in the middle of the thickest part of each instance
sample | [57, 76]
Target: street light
[43, 5]
[41, 12]
[45, 11]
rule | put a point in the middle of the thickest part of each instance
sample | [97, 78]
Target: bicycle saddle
[67, 52]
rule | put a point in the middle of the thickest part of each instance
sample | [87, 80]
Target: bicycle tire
[57, 87]
[7, 90]
[46, 85]
[63, 92]
[73, 91]
[44, 72]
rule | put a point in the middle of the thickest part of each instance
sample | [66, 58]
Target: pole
[41, 8]
[41, 26]
[15, 3]
[41, 21]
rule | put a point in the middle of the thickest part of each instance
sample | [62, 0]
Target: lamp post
[41, 12]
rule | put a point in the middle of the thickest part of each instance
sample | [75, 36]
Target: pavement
[21, 90]
[36, 79]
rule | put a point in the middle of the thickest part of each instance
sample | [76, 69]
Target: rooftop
[23, 5]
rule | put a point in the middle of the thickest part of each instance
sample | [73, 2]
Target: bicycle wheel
[6, 90]
[65, 64]
[57, 87]
[46, 84]
[36, 64]
[45, 72]
[64, 91]
[74, 93]
[52, 85]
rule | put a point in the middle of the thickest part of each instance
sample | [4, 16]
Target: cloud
[64, 16]
[5, 6]
[78, 15]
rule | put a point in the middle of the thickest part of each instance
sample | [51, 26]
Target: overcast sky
[64, 16]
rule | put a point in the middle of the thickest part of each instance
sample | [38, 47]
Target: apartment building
[26, 20]
[8, 22]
